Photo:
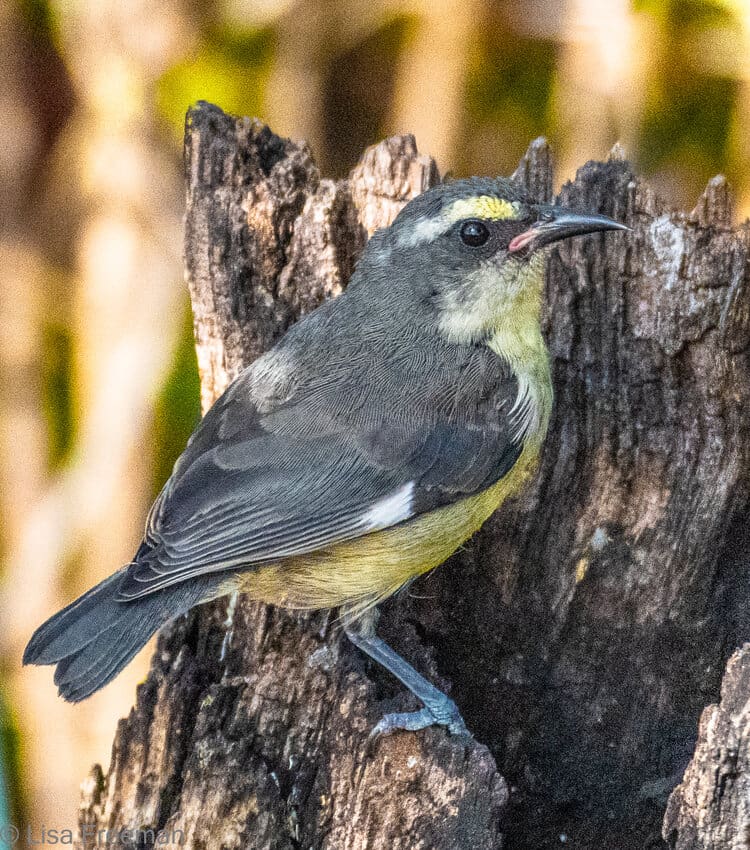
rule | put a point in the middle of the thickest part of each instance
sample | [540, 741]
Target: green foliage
[10, 785]
[511, 79]
[671, 13]
[229, 68]
[689, 124]
[39, 19]
[177, 409]
[507, 99]
[57, 390]
[687, 120]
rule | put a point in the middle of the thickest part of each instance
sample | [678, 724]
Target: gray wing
[327, 465]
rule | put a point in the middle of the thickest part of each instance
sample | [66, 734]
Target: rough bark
[581, 632]
[711, 806]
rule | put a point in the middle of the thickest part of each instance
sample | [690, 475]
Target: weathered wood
[606, 601]
[711, 806]
[582, 631]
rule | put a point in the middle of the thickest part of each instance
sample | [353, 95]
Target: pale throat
[508, 319]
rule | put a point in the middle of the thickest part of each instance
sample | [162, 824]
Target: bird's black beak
[555, 223]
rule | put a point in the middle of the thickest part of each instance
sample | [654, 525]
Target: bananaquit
[366, 447]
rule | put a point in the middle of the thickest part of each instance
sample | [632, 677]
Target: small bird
[361, 451]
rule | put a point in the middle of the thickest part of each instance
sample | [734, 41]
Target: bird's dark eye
[474, 233]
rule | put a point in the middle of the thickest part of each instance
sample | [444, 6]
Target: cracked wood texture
[581, 632]
[711, 806]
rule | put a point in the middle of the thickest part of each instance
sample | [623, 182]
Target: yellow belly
[361, 572]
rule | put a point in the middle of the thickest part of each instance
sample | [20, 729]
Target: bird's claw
[445, 713]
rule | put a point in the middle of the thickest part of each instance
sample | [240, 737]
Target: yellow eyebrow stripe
[483, 206]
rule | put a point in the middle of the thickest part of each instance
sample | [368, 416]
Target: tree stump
[581, 632]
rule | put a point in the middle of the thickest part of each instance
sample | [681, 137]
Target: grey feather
[96, 636]
[339, 416]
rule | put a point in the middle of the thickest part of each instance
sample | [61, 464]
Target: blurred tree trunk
[294, 92]
[112, 205]
[582, 631]
[600, 82]
[431, 83]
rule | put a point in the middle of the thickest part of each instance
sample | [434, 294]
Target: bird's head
[471, 251]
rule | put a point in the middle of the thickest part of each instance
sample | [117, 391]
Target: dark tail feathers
[92, 639]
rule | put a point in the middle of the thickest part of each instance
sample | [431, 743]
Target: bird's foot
[439, 710]
[443, 712]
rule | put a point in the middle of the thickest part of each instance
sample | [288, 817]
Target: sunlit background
[98, 381]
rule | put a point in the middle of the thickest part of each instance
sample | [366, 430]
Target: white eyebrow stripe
[424, 230]
[391, 510]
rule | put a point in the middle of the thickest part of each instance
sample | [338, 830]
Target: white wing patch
[272, 379]
[391, 510]
[525, 414]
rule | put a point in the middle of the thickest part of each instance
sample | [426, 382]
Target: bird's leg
[438, 708]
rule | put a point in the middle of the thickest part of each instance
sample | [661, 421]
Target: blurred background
[98, 382]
